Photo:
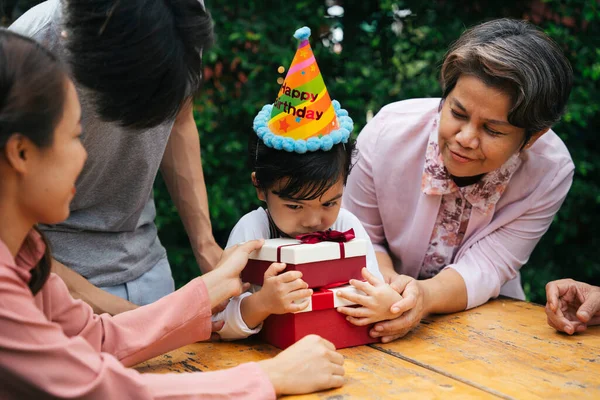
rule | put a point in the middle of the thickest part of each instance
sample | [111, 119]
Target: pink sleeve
[38, 359]
[495, 259]
[180, 318]
[360, 197]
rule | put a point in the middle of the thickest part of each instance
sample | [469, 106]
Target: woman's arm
[49, 359]
[483, 268]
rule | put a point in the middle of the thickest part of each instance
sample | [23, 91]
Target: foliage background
[387, 54]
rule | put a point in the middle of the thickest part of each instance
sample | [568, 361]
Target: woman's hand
[224, 281]
[409, 310]
[572, 306]
[376, 302]
[310, 365]
[280, 291]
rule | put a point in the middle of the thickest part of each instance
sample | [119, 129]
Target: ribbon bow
[327, 236]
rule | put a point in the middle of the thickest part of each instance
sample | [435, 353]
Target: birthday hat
[303, 117]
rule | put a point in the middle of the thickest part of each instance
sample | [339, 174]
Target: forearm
[252, 310]
[80, 288]
[181, 169]
[386, 266]
[445, 293]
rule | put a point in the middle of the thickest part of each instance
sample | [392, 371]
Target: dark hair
[517, 58]
[309, 175]
[32, 97]
[142, 60]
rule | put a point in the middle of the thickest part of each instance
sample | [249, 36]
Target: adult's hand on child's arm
[310, 365]
[572, 306]
[277, 296]
[407, 312]
[376, 302]
[443, 294]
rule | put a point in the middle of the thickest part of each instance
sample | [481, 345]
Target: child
[300, 157]
[52, 346]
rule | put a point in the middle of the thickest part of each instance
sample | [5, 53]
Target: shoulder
[550, 149]
[548, 160]
[398, 122]
[254, 225]
[36, 23]
[411, 108]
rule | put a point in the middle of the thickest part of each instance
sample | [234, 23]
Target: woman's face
[474, 134]
[49, 185]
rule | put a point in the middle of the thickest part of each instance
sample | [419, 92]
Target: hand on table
[572, 306]
[310, 365]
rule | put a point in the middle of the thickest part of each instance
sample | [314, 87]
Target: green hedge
[386, 56]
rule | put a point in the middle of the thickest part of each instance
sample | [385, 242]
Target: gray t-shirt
[110, 237]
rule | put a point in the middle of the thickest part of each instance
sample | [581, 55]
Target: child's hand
[375, 305]
[279, 292]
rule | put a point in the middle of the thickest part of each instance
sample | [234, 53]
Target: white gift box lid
[294, 252]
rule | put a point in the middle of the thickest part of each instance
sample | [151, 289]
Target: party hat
[303, 116]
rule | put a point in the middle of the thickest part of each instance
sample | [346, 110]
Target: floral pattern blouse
[456, 204]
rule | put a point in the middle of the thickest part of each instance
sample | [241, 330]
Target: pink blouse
[456, 204]
[385, 191]
[54, 346]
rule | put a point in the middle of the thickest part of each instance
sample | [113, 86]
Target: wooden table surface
[503, 349]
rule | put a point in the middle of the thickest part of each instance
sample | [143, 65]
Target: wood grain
[370, 373]
[506, 348]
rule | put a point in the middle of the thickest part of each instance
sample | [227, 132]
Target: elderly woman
[456, 192]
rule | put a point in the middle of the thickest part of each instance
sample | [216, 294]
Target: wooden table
[503, 349]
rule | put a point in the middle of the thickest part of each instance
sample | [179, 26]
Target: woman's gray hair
[517, 58]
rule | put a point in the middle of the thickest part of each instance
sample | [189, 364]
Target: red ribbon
[327, 236]
[323, 298]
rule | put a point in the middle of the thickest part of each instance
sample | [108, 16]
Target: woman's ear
[16, 151]
[259, 192]
[535, 137]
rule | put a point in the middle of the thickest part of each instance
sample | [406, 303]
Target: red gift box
[320, 263]
[320, 318]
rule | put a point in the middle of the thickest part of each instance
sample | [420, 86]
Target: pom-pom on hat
[303, 117]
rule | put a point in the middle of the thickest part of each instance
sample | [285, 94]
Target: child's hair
[32, 97]
[307, 176]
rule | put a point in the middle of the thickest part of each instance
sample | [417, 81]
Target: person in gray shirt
[136, 65]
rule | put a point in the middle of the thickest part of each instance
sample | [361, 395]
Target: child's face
[52, 171]
[296, 217]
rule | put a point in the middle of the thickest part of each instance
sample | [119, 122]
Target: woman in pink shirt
[52, 346]
[457, 192]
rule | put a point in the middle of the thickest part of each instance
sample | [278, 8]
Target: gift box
[321, 263]
[320, 318]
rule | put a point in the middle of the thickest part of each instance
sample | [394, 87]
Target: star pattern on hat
[303, 53]
[283, 125]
